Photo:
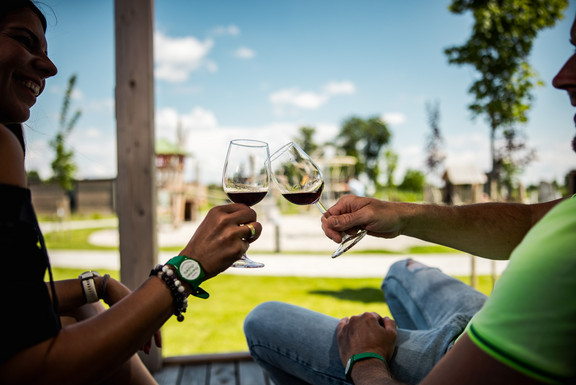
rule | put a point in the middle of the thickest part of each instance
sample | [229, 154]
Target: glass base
[348, 241]
[247, 263]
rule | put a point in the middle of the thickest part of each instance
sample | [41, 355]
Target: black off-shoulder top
[28, 315]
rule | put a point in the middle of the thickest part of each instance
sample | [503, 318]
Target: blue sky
[261, 69]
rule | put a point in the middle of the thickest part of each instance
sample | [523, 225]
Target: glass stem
[321, 207]
[323, 210]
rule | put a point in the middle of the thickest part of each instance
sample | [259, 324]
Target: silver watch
[88, 286]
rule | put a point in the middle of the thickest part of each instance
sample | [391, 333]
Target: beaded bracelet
[178, 292]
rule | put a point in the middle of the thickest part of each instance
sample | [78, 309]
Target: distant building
[178, 200]
[463, 184]
[89, 196]
[337, 172]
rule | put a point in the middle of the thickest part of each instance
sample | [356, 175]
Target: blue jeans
[431, 309]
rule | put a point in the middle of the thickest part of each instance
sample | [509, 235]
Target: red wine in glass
[248, 198]
[246, 179]
[304, 198]
[300, 181]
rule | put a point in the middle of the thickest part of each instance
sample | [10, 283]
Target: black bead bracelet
[178, 292]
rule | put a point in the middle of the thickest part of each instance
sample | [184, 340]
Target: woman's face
[24, 64]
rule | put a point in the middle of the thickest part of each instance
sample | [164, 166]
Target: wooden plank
[168, 375]
[249, 373]
[222, 374]
[208, 358]
[194, 374]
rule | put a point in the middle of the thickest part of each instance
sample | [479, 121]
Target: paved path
[351, 265]
[295, 234]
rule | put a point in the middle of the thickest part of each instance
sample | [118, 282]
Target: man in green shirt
[524, 333]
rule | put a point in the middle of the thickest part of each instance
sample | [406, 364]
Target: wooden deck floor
[217, 369]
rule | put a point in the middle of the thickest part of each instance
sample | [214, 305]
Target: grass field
[215, 325]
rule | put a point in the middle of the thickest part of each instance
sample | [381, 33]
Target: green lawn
[215, 325]
[78, 240]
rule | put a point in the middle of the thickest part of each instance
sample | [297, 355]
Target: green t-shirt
[529, 321]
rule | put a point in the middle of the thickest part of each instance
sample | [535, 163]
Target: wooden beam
[134, 21]
[135, 139]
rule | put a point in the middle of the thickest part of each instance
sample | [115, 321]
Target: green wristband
[191, 272]
[359, 357]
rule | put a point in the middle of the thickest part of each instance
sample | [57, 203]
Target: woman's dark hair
[7, 6]
[12, 5]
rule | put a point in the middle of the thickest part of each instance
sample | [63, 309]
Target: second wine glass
[300, 181]
[246, 179]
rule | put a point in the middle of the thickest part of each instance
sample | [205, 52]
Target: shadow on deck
[212, 369]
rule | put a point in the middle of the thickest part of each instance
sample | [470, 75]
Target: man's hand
[368, 332]
[378, 218]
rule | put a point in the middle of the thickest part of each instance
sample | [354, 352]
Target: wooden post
[473, 274]
[135, 142]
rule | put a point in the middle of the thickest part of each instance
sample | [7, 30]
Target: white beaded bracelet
[176, 288]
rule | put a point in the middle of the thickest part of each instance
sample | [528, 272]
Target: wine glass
[246, 178]
[300, 181]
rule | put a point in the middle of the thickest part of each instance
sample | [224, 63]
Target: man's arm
[490, 230]
[467, 364]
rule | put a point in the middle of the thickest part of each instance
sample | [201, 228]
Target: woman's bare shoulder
[11, 158]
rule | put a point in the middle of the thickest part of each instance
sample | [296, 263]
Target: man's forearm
[490, 230]
[372, 372]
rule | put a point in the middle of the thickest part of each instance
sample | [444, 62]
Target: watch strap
[89, 286]
[359, 357]
[191, 272]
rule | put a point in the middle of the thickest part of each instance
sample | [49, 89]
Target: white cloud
[301, 99]
[197, 120]
[308, 100]
[207, 140]
[395, 118]
[245, 53]
[101, 105]
[77, 94]
[231, 30]
[340, 88]
[200, 119]
[176, 58]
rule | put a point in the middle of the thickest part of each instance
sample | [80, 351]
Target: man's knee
[260, 316]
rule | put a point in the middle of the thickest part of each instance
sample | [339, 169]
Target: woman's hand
[221, 238]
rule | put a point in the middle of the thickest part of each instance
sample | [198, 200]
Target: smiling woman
[25, 64]
[54, 321]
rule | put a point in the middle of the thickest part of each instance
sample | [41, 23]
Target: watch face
[190, 269]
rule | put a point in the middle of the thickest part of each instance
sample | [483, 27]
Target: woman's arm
[12, 171]
[88, 351]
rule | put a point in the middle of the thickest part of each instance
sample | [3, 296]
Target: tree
[306, 139]
[63, 165]
[435, 155]
[413, 181]
[33, 177]
[499, 47]
[364, 139]
[513, 156]
[391, 159]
